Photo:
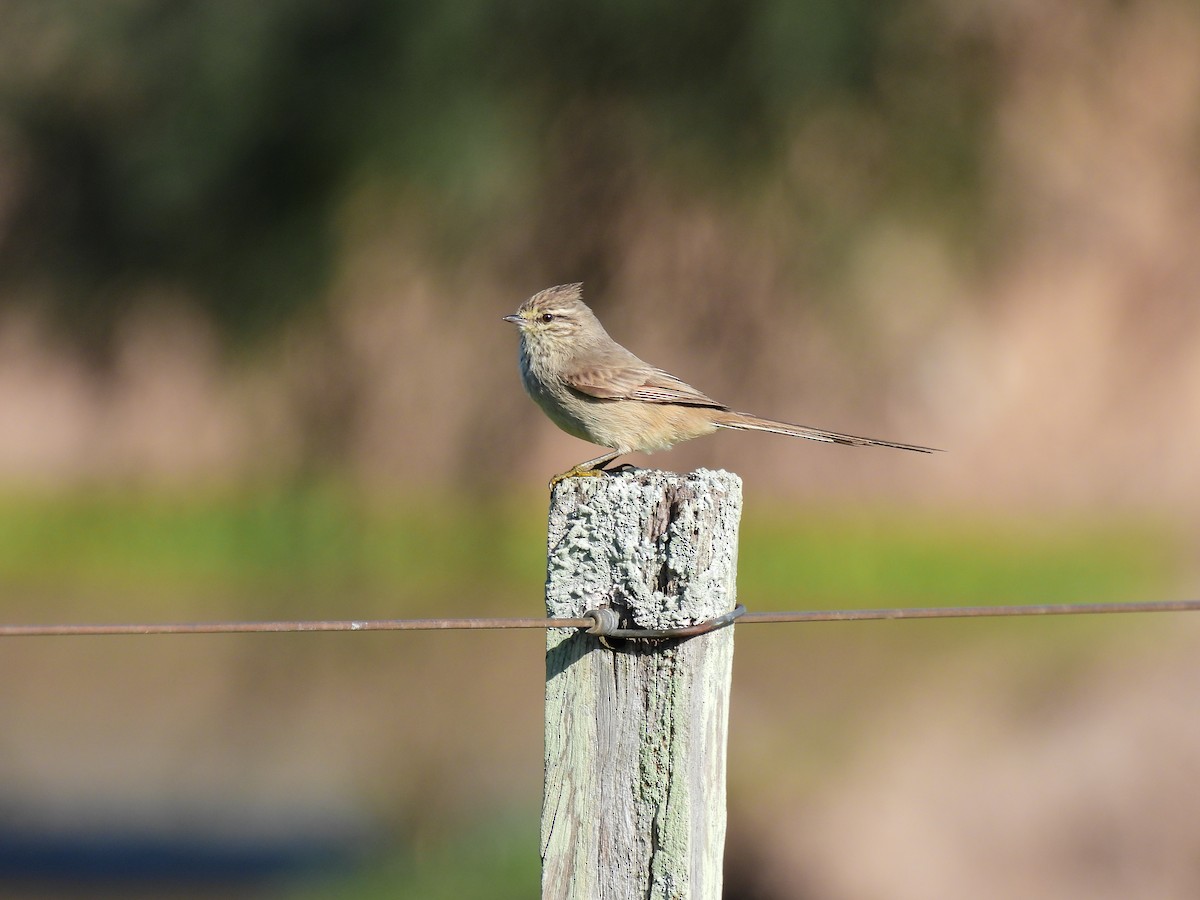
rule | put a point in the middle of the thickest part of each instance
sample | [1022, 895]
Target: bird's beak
[516, 320]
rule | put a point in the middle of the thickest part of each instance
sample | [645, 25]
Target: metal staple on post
[608, 625]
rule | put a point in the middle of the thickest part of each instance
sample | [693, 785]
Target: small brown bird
[593, 388]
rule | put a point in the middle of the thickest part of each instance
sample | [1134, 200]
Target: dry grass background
[1060, 370]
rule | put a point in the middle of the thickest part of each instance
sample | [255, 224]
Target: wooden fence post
[634, 802]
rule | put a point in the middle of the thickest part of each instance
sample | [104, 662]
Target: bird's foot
[577, 472]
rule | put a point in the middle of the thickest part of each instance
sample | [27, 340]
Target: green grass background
[327, 551]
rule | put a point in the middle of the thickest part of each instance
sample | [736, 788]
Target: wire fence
[602, 621]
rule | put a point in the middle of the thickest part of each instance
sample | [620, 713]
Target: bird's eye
[547, 317]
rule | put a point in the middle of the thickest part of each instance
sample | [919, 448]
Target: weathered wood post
[634, 802]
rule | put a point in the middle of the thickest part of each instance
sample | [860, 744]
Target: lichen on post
[634, 802]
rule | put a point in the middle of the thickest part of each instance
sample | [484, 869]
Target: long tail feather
[747, 422]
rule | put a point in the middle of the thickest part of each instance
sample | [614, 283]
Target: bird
[594, 389]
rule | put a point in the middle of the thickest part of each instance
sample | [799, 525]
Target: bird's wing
[637, 381]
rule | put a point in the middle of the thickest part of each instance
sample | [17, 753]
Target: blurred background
[253, 259]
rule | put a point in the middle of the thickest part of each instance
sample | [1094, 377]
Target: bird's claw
[576, 472]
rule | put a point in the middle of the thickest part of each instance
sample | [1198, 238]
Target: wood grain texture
[634, 802]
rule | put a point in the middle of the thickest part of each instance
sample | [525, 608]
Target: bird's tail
[747, 422]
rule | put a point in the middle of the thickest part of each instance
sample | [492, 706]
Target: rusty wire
[598, 621]
[971, 612]
[290, 625]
